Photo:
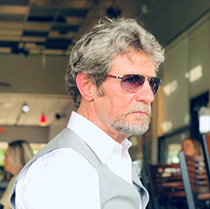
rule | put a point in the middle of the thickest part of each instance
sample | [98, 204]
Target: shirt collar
[101, 143]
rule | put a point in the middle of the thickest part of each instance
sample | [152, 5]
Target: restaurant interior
[36, 38]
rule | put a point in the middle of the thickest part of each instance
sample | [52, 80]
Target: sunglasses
[134, 82]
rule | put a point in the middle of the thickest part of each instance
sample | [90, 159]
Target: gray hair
[20, 153]
[94, 52]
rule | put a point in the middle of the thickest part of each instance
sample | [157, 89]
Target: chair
[195, 180]
[166, 185]
[145, 181]
[205, 142]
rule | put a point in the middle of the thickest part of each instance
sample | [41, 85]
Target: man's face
[122, 111]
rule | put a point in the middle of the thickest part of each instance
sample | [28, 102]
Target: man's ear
[85, 86]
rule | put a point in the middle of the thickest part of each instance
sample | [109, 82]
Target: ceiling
[46, 26]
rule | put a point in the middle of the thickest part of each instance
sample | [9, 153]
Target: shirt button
[117, 147]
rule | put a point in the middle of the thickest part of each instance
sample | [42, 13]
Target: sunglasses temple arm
[114, 76]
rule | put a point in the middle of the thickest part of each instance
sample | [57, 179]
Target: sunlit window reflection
[186, 119]
[194, 74]
[204, 120]
[170, 87]
[166, 126]
[173, 150]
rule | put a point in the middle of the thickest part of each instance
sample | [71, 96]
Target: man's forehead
[133, 57]
[136, 60]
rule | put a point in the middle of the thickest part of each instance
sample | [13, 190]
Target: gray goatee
[129, 128]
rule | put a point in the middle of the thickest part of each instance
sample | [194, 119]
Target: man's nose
[145, 93]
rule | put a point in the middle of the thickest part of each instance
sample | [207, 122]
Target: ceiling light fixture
[58, 116]
[43, 120]
[25, 108]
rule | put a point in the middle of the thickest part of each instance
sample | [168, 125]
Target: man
[112, 79]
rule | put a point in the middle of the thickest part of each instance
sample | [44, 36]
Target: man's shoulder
[62, 171]
[56, 164]
[61, 158]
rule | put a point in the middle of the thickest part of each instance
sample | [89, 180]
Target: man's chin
[139, 121]
[132, 124]
[132, 129]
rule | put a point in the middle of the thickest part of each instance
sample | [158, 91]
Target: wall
[185, 75]
[168, 19]
[30, 133]
[39, 74]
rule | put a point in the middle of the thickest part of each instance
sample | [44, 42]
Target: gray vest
[115, 192]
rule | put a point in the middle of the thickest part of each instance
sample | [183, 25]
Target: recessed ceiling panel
[57, 34]
[64, 3]
[74, 20]
[46, 24]
[58, 43]
[10, 25]
[37, 26]
[7, 43]
[32, 39]
[11, 18]
[14, 2]
[64, 28]
[15, 10]
[73, 12]
[42, 11]
[35, 33]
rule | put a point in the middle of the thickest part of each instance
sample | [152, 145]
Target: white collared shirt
[110, 152]
[65, 179]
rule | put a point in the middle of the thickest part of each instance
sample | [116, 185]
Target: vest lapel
[137, 183]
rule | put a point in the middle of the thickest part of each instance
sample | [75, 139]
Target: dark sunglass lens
[132, 83]
[154, 82]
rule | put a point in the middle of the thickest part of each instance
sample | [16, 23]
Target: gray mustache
[141, 107]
